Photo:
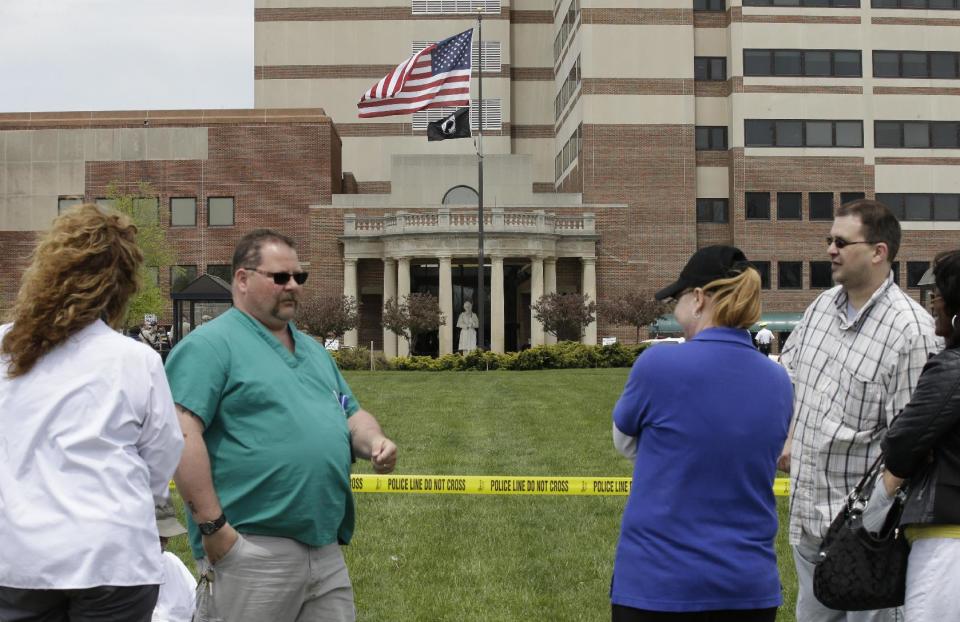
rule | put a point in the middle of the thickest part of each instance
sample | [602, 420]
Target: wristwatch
[211, 527]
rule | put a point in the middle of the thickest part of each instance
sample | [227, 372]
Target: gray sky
[58, 55]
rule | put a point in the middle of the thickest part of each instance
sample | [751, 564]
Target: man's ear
[880, 252]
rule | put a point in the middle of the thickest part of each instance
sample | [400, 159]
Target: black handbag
[857, 570]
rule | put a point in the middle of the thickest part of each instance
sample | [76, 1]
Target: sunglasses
[282, 278]
[840, 243]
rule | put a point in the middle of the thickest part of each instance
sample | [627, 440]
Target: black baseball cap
[707, 265]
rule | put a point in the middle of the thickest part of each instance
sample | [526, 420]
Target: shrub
[359, 358]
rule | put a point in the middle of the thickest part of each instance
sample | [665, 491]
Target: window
[221, 270]
[569, 152]
[821, 206]
[789, 274]
[788, 205]
[181, 276]
[897, 64]
[798, 133]
[569, 88]
[220, 211]
[922, 206]
[461, 195]
[709, 68]
[846, 197]
[711, 138]
[183, 212]
[915, 4]
[65, 203]
[763, 267]
[812, 63]
[915, 270]
[449, 7]
[821, 276]
[712, 210]
[709, 5]
[837, 4]
[917, 134]
[148, 209]
[757, 205]
[492, 117]
[570, 21]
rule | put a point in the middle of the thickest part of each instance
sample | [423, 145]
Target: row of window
[489, 61]
[718, 5]
[569, 153]
[787, 133]
[913, 64]
[183, 210]
[570, 86]
[811, 63]
[570, 21]
[790, 274]
[935, 207]
[917, 134]
[801, 133]
[492, 115]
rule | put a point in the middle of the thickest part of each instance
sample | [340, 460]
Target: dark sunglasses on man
[840, 243]
[282, 278]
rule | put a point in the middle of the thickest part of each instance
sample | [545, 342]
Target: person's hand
[383, 456]
[219, 544]
[783, 462]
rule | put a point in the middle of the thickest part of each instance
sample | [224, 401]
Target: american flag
[439, 75]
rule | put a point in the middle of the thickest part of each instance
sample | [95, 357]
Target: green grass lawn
[489, 558]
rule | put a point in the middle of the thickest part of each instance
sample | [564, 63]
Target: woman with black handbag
[923, 444]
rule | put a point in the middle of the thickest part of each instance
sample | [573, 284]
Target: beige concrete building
[619, 136]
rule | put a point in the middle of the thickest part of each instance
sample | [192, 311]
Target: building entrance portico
[435, 252]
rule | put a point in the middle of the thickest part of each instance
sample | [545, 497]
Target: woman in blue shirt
[704, 422]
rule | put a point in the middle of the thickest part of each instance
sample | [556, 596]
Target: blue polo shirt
[711, 416]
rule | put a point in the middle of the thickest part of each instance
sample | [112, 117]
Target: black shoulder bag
[858, 570]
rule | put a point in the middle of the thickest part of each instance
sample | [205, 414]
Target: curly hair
[85, 268]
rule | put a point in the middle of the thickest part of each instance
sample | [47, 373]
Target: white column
[549, 287]
[403, 290]
[446, 305]
[350, 289]
[496, 304]
[389, 291]
[536, 291]
[589, 288]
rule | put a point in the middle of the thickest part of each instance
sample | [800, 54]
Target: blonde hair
[86, 267]
[736, 300]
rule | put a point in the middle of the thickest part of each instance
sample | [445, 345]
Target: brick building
[619, 137]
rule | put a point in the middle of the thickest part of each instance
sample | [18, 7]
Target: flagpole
[481, 294]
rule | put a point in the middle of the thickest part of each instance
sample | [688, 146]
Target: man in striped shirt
[854, 360]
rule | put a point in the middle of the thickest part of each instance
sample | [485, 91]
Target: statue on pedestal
[468, 323]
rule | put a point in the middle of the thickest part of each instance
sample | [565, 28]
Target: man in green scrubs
[270, 427]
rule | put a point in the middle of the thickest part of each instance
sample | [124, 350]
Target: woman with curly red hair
[90, 439]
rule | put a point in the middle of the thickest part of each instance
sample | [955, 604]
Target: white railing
[445, 220]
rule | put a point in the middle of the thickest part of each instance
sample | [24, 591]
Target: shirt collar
[727, 334]
[841, 299]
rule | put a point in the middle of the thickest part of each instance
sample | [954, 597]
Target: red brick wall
[15, 249]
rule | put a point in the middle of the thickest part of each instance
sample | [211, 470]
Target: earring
[696, 315]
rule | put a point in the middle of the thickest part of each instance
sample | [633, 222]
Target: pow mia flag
[455, 125]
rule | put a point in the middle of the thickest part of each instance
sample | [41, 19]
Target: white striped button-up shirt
[851, 378]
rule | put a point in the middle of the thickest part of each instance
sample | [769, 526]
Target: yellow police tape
[505, 485]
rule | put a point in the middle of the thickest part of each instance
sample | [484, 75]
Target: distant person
[205, 318]
[151, 334]
[764, 339]
[270, 427]
[184, 326]
[89, 436]
[331, 342]
[923, 445]
[704, 422]
[178, 590]
[854, 359]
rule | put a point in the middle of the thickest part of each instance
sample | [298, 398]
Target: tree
[565, 315]
[415, 315]
[634, 308]
[322, 315]
[142, 206]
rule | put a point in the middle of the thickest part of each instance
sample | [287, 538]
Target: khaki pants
[280, 580]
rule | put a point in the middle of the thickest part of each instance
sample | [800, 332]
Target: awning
[777, 322]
